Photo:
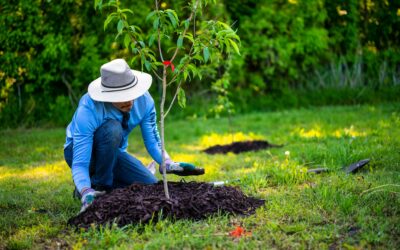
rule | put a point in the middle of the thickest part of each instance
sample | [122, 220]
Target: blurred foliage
[291, 50]
[281, 41]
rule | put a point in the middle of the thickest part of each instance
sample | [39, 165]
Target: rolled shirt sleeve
[85, 126]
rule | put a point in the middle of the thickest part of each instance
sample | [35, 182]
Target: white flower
[287, 153]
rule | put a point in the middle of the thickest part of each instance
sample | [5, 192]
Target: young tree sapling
[181, 46]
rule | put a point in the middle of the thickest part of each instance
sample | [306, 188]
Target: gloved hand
[88, 196]
[181, 168]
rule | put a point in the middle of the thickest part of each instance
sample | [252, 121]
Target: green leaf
[189, 36]
[198, 58]
[181, 98]
[150, 15]
[120, 26]
[147, 64]
[179, 43]
[127, 40]
[153, 58]
[151, 39]
[172, 19]
[142, 44]
[156, 23]
[134, 49]
[127, 10]
[109, 19]
[98, 4]
[134, 59]
[186, 23]
[235, 46]
[206, 54]
[194, 70]
[226, 26]
[111, 4]
[157, 64]
[174, 13]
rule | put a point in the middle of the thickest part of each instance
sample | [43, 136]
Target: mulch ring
[239, 147]
[140, 203]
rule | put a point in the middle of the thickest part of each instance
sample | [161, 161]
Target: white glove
[88, 196]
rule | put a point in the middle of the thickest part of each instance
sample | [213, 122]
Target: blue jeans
[109, 167]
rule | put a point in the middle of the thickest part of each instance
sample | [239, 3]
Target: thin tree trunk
[164, 90]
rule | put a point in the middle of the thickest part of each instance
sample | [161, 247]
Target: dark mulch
[239, 147]
[140, 203]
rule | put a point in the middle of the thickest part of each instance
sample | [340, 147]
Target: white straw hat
[119, 83]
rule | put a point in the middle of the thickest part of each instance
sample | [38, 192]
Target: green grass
[301, 211]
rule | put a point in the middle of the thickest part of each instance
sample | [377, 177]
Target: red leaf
[167, 63]
[238, 232]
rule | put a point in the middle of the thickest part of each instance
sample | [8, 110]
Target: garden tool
[222, 183]
[353, 168]
[178, 168]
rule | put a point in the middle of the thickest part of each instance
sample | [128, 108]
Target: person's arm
[85, 126]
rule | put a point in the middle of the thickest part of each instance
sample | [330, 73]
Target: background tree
[293, 54]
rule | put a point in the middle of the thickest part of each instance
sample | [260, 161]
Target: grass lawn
[329, 210]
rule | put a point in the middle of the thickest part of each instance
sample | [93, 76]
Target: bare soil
[239, 147]
[143, 203]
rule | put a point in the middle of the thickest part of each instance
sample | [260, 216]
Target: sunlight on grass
[211, 169]
[221, 139]
[243, 171]
[41, 172]
[267, 191]
[312, 133]
[185, 158]
[317, 132]
[351, 132]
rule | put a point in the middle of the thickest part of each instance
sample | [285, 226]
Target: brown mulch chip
[239, 147]
[140, 203]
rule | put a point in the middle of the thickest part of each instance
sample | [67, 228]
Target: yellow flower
[21, 71]
[10, 81]
[114, 45]
[340, 11]
[163, 5]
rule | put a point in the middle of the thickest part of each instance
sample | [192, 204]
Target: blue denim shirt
[91, 114]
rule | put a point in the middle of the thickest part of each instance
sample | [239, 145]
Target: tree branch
[157, 75]
[185, 30]
[159, 37]
[173, 99]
